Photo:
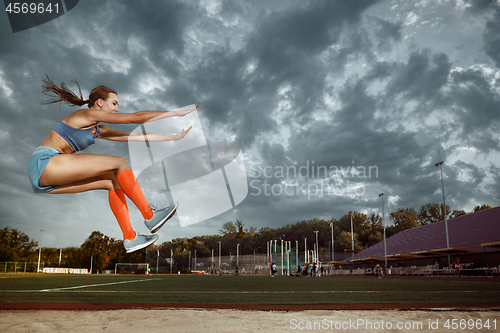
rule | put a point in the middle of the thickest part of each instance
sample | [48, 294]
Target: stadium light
[383, 221]
[439, 164]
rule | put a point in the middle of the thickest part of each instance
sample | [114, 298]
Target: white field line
[96, 285]
[238, 292]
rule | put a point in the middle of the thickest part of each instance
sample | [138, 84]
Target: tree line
[105, 252]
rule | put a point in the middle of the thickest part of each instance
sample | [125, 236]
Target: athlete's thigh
[104, 182]
[72, 168]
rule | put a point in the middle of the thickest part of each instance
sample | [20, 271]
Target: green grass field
[161, 289]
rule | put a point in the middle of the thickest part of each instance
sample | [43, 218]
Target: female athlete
[55, 168]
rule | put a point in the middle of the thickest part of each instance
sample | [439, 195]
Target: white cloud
[411, 18]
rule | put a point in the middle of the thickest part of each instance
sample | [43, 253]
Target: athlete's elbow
[137, 118]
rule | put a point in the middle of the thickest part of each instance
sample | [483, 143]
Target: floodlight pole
[275, 253]
[333, 248]
[288, 256]
[237, 255]
[297, 253]
[219, 255]
[267, 250]
[305, 250]
[444, 208]
[282, 257]
[269, 253]
[383, 221]
[352, 235]
[40, 252]
[317, 246]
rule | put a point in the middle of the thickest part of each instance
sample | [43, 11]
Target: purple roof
[467, 231]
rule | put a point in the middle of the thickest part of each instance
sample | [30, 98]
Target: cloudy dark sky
[382, 88]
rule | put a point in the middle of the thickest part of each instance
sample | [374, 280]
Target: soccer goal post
[132, 268]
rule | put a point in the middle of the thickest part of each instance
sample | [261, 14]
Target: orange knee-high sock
[131, 188]
[118, 204]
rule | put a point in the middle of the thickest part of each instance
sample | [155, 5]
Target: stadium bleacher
[466, 233]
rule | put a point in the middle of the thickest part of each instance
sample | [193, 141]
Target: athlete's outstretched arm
[141, 117]
[114, 135]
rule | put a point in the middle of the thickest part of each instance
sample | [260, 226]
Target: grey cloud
[492, 39]
[477, 104]
[422, 77]
[479, 6]
[387, 33]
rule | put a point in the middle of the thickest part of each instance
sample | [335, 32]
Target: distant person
[457, 267]
[55, 168]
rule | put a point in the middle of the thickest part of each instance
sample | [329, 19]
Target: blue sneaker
[160, 216]
[139, 242]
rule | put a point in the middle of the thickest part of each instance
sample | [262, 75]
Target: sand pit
[226, 320]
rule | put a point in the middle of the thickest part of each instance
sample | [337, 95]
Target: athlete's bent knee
[122, 164]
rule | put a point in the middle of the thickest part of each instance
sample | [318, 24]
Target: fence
[20, 267]
[31, 267]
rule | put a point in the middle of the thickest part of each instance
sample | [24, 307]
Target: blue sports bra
[78, 139]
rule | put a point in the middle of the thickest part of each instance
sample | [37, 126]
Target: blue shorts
[36, 164]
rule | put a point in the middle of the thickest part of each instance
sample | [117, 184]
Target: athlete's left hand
[182, 134]
[182, 113]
